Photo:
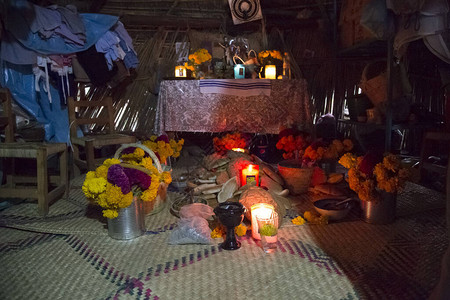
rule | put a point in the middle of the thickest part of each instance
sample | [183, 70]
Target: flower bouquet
[376, 179]
[115, 183]
[293, 142]
[271, 57]
[197, 60]
[295, 171]
[371, 174]
[320, 150]
[228, 142]
[164, 148]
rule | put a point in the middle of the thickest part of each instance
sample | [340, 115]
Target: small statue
[227, 52]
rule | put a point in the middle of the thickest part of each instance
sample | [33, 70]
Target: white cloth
[236, 87]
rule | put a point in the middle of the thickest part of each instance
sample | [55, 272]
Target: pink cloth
[182, 107]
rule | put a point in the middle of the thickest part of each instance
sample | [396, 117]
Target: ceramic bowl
[326, 207]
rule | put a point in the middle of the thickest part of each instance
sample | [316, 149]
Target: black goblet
[230, 215]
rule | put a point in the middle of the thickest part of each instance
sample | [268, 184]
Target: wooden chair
[433, 157]
[95, 114]
[35, 185]
[7, 117]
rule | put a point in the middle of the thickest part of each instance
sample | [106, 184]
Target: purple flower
[117, 176]
[139, 178]
[163, 137]
[128, 150]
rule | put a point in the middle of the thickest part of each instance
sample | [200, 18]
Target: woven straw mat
[76, 259]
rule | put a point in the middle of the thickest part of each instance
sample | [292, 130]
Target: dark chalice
[230, 215]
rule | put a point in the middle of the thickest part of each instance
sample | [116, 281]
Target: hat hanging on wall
[245, 10]
[439, 44]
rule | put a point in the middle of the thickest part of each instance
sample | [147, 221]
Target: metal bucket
[130, 223]
[380, 212]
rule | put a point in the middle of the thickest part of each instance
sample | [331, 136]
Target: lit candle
[238, 150]
[261, 210]
[180, 71]
[239, 71]
[270, 72]
[250, 174]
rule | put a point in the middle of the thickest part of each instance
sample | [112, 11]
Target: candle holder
[180, 71]
[250, 174]
[261, 210]
[268, 230]
[270, 72]
[230, 215]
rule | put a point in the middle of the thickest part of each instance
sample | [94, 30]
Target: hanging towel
[240, 87]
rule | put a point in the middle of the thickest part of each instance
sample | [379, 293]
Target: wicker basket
[155, 206]
[297, 179]
[374, 83]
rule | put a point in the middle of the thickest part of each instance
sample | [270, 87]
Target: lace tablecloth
[182, 107]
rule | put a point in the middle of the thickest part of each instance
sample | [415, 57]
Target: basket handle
[251, 50]
[235, 60]
[146, 149]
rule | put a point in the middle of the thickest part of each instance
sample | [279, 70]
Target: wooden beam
[170, 21]
[97, 5]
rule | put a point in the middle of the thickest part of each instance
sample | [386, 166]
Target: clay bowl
[327, 207]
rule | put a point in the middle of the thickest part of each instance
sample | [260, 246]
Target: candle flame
[238, 150]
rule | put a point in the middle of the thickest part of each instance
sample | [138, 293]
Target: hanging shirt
[126, 43]
[109, 44]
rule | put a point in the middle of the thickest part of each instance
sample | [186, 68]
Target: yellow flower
[126, 200]
[111, 161]
[189, 67]
[166, 177]
[308, 215]
[240, 230]
[298, 221]
[91, 174]
[348, 160]
[94, 186]
[147, 162]
[269, 56]
[198, 57]
[110, 213]
[315, 219]
[102, 171]
[218, 232]
[151, 193]
[114, 196]
[110, 197]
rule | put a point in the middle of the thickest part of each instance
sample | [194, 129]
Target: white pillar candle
[262, 210]
[270, 72]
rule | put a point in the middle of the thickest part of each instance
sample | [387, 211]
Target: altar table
[182, 107]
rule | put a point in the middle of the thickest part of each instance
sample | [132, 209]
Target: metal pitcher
[380, 212]
[130, 223]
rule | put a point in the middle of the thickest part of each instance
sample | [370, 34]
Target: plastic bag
[196, 210]
[193, 230]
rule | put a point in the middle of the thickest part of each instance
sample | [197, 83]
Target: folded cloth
[240, 87]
